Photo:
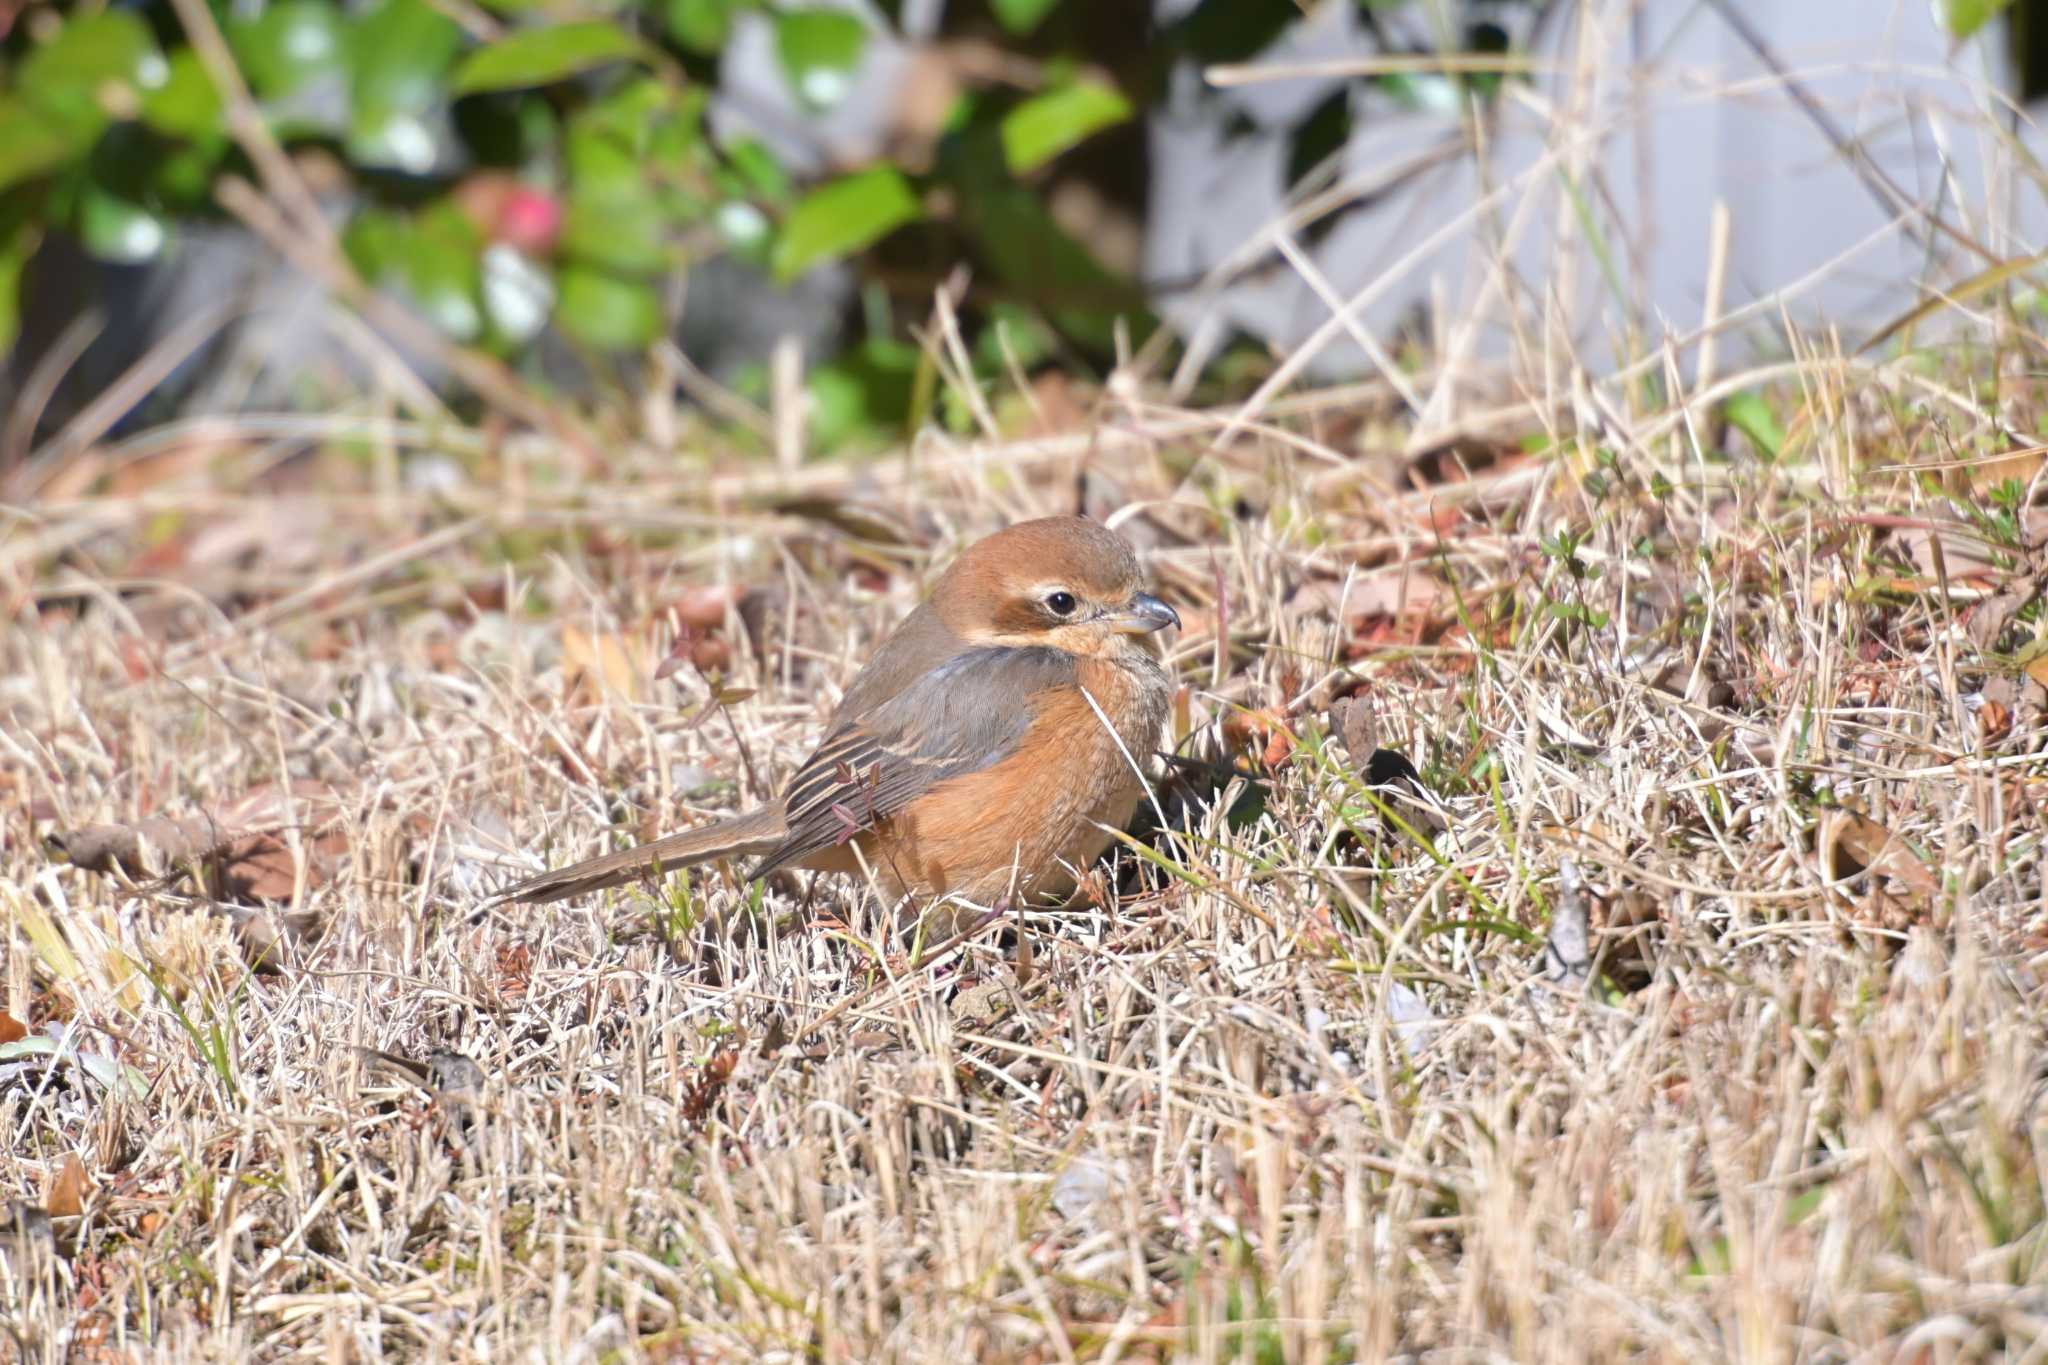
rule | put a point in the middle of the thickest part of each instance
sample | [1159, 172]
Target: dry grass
[1296, 1084]
[1794, 1115]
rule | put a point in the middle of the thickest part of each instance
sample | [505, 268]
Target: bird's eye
[1061, 603]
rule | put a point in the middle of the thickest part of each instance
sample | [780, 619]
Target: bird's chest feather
[1077, 769]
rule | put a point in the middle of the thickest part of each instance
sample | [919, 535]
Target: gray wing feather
[967, 714]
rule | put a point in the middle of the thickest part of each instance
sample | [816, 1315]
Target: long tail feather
[742, 836]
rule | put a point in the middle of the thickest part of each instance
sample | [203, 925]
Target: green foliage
[842, 217]
[1750, 414]
[820, 50]
[525, 164]
[1041, 128]
[542, 56]
[1965, 17]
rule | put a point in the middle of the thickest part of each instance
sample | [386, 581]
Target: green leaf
[392, 139]
[866, 391]
[623, 231]
[744, 227]
[399, 54]
[186, 105]
[608, 312]
[14, 254]
[375, 243]
[542, 56]
[90, 51]
[757, 172]
[439, 263]
[286, 44]
[1749, 414]
[841, 218]
[119, 230]
[702, 26]
[1964, 17]
[609, 140]
[820, 48]
[1019, 17]
[1042, 127]
[34, 143]
[1019, 332]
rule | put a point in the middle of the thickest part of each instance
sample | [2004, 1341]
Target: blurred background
[534, 207]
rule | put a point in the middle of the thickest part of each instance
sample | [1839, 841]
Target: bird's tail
[741, 836]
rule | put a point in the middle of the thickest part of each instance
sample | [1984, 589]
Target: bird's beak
[1142, 615]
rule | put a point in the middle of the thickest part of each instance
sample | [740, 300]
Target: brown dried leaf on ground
[1408, 590]
[240, 846]
[1997, 613]
[600, 664]
[69, 1189]
[1851, 844]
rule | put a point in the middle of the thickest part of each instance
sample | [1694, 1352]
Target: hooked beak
[1144, 614]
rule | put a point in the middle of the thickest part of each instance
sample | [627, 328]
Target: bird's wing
[965, 714]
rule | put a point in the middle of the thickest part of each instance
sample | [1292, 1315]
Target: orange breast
[1021, 825]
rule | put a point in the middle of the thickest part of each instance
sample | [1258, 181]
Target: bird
[983, 755]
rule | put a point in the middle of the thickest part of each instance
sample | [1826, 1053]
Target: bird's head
[1067, 583]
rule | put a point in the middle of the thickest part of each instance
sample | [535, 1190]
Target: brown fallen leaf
[2034, 663]
[599, 664]
[1852, 843]
[12, 1030]
[239, 849]
[1995, 614]
[1396, 591]
[69, 1189]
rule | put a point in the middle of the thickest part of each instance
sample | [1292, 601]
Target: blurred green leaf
[285, 44]
[1019, 331]
[399, 54]
[839, 219]
[1019, 17]
[1964, 17]
[820, 49]
[604, 311]
[744, 227]
[865, 392]
[182, 178]
[432, 257]
[1749, 414]
[443, 269]
[1045, 125]
[14, 254]
[186, 104]
[66, 77]
[392, 139]
[622, 229]
[756, 170]
[702, 26]
[118, 230]
[34, 142]
[542, 56]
